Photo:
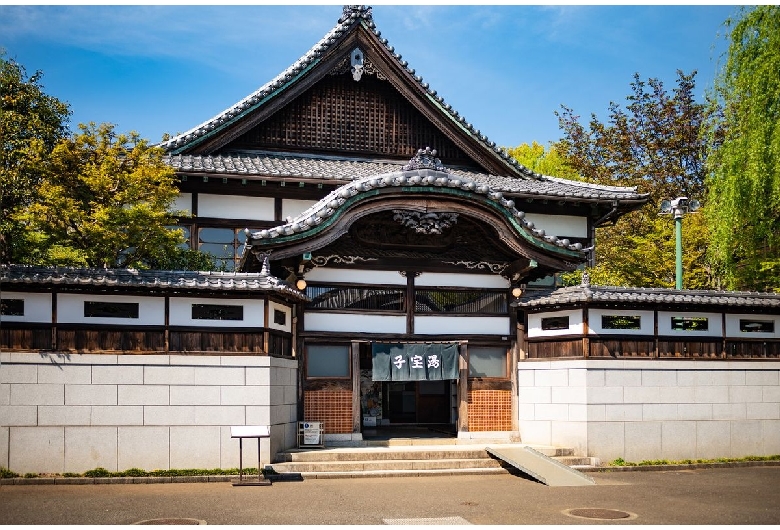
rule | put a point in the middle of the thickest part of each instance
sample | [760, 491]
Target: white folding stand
[250, 431]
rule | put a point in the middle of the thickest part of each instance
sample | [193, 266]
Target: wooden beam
[463, 387]
[356, 413]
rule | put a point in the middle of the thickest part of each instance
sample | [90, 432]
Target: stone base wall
[646, 410]
[72, 413]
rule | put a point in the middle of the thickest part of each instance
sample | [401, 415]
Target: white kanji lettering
[433, 361]
[399, 361]
[416, 361]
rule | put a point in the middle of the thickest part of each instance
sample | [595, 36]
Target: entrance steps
[410, 457]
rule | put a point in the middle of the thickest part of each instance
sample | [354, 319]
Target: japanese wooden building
[385, 264]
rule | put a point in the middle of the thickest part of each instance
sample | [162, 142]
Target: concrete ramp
[540, 466]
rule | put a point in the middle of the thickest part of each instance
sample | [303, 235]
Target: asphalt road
[748, 495]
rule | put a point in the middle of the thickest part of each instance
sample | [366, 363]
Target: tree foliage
[548, 161]
[743, 209]
[31, 124]
[654, 144]
[106, 201]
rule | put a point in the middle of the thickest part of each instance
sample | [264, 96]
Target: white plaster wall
[446, 279]
[183, 201]
[295, 207]
[235, 207]
[646, 322]
[327, 275]
[714, 324]
[353, 323]
[575, 323]
[732, 326]
[70, 310]
[646, 410]
[37, 307]
[181, 312]
[560, 225]
[452, 325]
[275, 306]
[72, 413]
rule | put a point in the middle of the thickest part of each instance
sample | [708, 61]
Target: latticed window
[363, 298]
[460, 301]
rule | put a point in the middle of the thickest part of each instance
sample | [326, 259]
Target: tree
[743, 209]
[31, 124]
[106, 201]
[656, 146]
[548, 161]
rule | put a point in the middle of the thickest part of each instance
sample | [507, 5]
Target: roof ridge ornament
[425, 159]
[355, 12]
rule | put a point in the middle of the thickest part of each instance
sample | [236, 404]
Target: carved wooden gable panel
[341, 115]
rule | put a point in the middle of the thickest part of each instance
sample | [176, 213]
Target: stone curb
[680, 467]
[20, 481]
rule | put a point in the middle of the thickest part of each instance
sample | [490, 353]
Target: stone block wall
[646, 409]
[71, 412]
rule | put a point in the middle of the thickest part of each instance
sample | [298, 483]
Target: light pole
[678, 207]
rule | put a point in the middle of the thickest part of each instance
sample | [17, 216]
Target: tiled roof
[413, 177]
[148, 279]
[635, 295]
[351, 16]
[341, 170]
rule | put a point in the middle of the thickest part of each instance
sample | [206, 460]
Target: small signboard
[310, 434]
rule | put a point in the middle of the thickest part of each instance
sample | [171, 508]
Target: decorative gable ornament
[356, 59]
[425, 159]
[429, 223]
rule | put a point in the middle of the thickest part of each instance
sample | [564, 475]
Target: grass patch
[620, 462]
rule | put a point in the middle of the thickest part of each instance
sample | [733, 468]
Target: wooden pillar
[356, 413]
[410, 303]
[586, 333]
[54, 344]
[266, 334]
[166, 332]
[655, 333]
[463, 387]
[723, 333]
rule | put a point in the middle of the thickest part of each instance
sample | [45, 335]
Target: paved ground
[748, 495]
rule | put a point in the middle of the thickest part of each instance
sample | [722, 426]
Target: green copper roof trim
[251, 109]
[521, 230]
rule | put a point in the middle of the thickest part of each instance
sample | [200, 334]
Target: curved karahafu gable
[424, 186]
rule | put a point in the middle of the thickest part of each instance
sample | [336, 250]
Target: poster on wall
[414, 362]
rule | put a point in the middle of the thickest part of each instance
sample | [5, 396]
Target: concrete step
[406, 460]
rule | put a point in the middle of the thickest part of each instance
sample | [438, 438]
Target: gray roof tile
[341, 170]
[602, 294]
[148, 279]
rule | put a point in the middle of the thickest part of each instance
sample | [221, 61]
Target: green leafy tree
[31, 124]
[548, 161]
[106, 201]
[654, 144]
[743, 210]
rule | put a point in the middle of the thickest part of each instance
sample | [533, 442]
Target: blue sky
[505, 68]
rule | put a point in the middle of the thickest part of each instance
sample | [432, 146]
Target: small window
[690, 323]
[12, 307]
[110, 310]
[553, 323]
[620, 322]
[487, 361]
[756, 326]
[327, 360]
[217, 312]
[280, 317]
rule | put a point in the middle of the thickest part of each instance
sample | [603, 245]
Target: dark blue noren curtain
[414, 362]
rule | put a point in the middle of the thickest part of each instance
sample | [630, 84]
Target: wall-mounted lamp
[300, 284]
[517, 291]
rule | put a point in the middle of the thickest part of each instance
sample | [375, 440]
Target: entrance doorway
[415, 402]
